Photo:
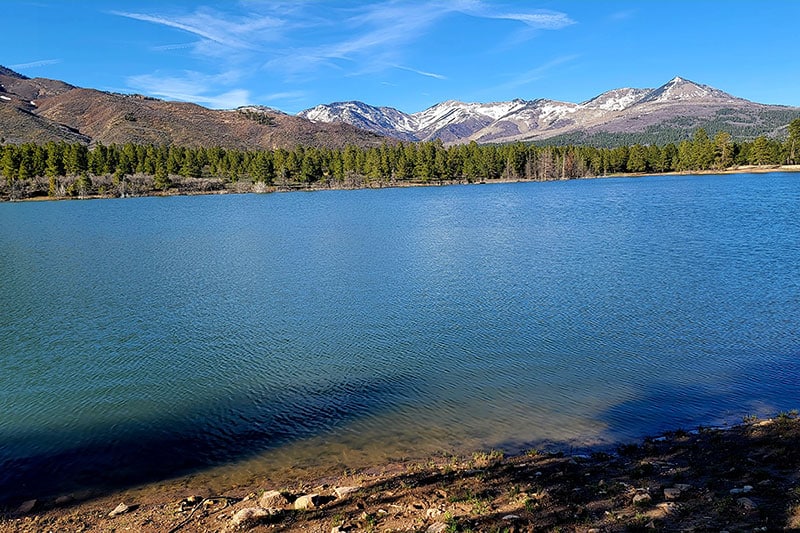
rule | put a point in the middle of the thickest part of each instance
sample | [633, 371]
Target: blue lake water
[150, 337]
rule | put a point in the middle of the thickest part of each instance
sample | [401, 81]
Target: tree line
[62, 169]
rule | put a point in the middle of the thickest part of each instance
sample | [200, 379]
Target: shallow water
[145, 338]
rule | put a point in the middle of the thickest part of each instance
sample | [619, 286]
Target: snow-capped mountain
[681, 90]
[619, 110]
[383, 120]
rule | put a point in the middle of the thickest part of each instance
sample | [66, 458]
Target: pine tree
[723, 150]
[637, 159]
[793, 142]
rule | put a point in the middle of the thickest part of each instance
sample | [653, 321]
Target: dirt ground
[744, 478]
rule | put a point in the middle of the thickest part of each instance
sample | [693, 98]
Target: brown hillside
[40, 110]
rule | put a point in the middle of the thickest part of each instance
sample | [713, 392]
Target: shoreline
[738, 477]
[269, 189]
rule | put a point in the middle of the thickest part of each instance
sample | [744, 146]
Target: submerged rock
[26, 507]
[747, 504]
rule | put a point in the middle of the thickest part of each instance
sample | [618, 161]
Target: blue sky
[293, 55]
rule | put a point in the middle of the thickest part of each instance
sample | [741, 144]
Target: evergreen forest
[60, 170]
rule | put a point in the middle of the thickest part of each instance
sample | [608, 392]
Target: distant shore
[259, 188]
[711, 479]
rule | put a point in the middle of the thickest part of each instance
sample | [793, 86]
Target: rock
[642, 499]
[341, 492]
[683, 487]
[63, 500]
[437, 527]
[432, 513]
[672, 493]
[747, 488]
[122, 508]
[511, 517]
[747, 504]
[272, 498]
[249, 517]
[309, 501]
[26, 507]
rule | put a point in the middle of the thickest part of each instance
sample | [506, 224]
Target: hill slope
[41, 110]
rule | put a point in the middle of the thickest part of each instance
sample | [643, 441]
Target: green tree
[723, 150]
[637, 159]
[263, 168]
[702, 151]
[161, 179]
[54, 162]
[10, 163]
[761, 151]
[793, 142]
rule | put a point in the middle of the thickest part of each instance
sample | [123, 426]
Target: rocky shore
[742, 478]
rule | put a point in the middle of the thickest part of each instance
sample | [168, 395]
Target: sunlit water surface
[147, 338]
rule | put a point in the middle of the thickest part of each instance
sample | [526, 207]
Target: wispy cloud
[422, 72]
[35, 64]
[534, 74]
[271, 39]
[167, 47]
[191, 87]
[622, 15]
[231, 32]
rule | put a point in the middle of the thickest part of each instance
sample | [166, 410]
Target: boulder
[309, 501]
[249, 517]
[273, 498]
[341, 492]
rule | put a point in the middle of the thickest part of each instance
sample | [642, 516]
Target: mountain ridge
[41, 110]
[617, 111]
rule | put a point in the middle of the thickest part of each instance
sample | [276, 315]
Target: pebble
[641, 499]
[747, 504]
[672, 493]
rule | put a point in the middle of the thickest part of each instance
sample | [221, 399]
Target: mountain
[668, 113]
[41, 110]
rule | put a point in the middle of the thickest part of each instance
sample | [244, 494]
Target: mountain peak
[682, 90]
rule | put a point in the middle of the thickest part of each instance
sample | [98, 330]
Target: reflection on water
[152, 337]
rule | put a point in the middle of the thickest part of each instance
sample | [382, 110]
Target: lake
[147, 338]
